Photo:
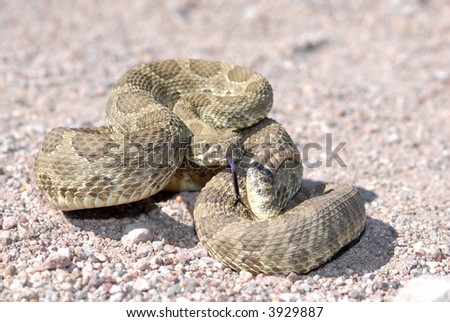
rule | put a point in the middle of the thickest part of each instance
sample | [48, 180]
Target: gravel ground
[375, 74]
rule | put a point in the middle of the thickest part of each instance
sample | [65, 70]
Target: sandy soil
[374, 74]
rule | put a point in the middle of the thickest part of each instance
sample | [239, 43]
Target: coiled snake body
[171, 125]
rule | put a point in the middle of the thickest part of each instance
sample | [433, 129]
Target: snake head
[273, 177]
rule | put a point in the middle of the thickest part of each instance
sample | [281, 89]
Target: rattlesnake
[173, 125]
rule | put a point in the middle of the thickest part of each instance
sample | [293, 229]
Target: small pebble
[292, 277]
[143, 264]
[141, 284]
[432, 264]
[9, 223]
[425, 289]
[10, 270]
[142, 250]
[306, 287]
[117, 297]
[201, 252]
[156, 261]
[436, 253]
[419, 249]
[136, 236]
[339, 281]
[101, 257]
[158, 245]
[115, 289]
[245, 276]
[169, 249]
[53, 261]
[5, 238]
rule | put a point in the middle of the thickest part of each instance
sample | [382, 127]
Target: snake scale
[175, 125]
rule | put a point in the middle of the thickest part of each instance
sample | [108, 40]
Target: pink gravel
[375, 74]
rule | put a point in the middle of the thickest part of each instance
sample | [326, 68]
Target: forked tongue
[237, 194]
